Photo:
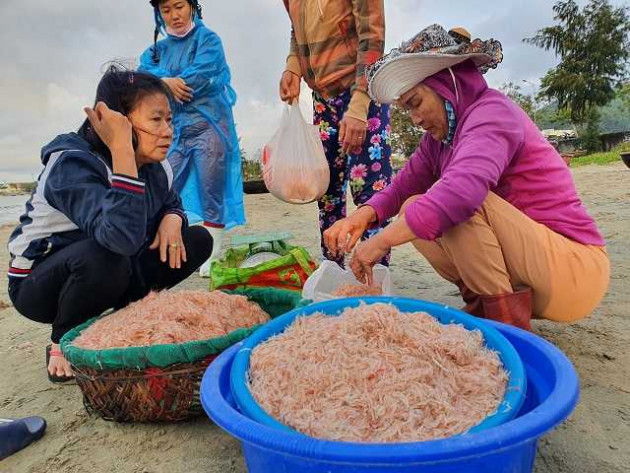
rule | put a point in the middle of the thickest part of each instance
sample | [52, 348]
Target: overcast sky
[53, 50]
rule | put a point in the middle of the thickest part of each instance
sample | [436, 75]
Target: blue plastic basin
[508, 408]
[552, 394]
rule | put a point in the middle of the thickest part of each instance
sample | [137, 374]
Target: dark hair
[121, 90]
[196, 13]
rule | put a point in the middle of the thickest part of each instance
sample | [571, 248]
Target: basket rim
[109, 375]
[162, 355]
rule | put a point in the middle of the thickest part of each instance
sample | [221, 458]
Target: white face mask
[181, 32]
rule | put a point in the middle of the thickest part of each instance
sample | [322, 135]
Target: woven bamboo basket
[152, 395]
[157, 383]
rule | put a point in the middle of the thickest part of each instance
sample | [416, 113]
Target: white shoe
[204, 269]
[217, 243]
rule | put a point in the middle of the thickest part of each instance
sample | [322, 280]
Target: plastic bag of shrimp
[330, 281]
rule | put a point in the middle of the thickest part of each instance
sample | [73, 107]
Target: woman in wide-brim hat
[485, 198]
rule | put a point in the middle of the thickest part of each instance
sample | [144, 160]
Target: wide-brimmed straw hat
[427, 53]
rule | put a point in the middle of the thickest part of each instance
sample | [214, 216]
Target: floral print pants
[367, 168]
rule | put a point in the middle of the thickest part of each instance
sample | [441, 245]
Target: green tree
[624, 94]
[543, 112]
[615, 116]
[589, 134]
[594, 46]
[250, 167]
[549, 116]
[526, 102]
[405, 135]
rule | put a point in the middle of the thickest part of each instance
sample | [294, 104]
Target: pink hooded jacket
[496, 148]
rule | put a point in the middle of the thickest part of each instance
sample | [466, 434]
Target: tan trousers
[500, 248]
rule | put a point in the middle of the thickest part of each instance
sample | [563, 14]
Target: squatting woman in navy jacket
[104, 225]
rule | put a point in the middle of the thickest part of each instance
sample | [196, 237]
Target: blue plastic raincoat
[205, 154]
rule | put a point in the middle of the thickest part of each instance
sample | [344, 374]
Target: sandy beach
[594, 439]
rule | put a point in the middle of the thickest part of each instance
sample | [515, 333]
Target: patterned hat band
[430, 51]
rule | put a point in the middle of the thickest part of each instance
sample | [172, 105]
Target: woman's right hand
[342, 237]
[116, 131]
[112, 127]
[180, 90]
[289, 87]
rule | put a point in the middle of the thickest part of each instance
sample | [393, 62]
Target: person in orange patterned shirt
[332, 43]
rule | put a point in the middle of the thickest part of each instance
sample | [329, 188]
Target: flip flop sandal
[53, 377]
[15, 434]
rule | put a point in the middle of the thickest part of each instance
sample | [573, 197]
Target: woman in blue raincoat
[205, 154]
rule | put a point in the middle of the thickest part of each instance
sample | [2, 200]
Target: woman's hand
[289, 87]
[344, 234]
[112, 127]
[169, 240]
[115, 130]
[180, 90]
[367, 254]
[352, 133]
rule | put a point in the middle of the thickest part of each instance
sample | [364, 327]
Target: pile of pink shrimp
[358, 290]
[375, 374]
[172, 317]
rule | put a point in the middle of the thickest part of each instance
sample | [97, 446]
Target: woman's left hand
[169, 240]
[352, 133]
[179, 89]
[366, 255]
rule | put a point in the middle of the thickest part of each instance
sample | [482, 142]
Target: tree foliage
[624, 94]
[526, 102]
[405, 135]
[594, 46]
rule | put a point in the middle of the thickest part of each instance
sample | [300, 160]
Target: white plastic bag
[329, 276]
[295, 168]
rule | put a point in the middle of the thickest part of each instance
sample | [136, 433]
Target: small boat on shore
[255, 187]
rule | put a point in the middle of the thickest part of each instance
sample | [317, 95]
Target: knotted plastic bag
[295, 168]
[322, 284]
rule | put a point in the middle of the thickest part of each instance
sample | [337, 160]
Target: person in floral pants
[367, 167]
[331, 45]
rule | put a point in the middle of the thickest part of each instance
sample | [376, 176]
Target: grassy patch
[612, 156]
[596, 158]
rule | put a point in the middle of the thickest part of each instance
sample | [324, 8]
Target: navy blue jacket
[79, 197]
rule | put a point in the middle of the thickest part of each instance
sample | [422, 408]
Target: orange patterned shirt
[332, 42]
